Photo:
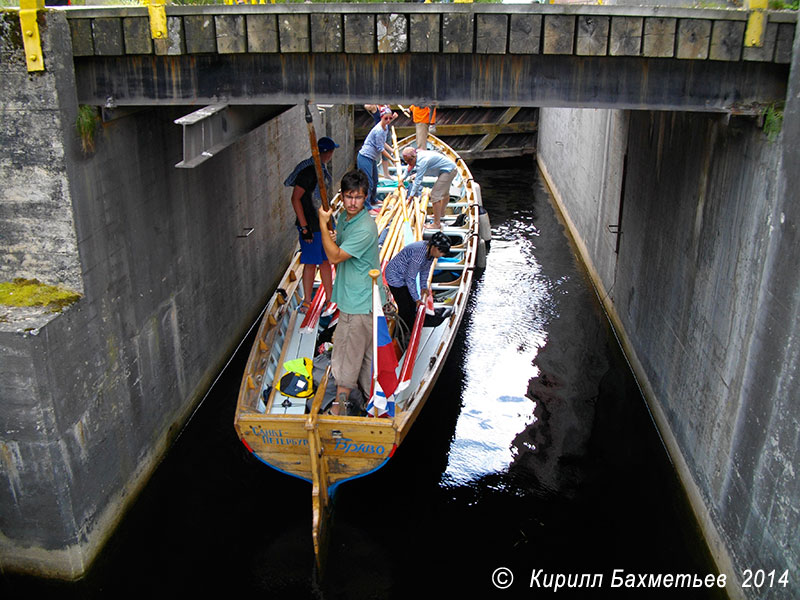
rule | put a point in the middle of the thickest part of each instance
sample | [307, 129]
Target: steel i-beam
[209, 130]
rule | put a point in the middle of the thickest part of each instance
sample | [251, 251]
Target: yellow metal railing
[158, 18]
[30, 33]
[754, 34]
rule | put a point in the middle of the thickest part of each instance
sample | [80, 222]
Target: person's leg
[341, 364]
[309, 271]
[406, 307]
[373, 192]
[370, 169]
[440, 196]
[307, 252]
[349, 341]
[422, 135]
[365, 375]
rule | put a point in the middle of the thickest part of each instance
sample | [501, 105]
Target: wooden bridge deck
[491, 55]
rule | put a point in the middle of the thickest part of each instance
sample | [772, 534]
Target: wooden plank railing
[548, 29]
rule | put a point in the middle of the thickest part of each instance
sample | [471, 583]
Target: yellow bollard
[754, 34]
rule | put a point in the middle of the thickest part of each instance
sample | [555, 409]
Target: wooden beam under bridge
[473, 131]
[485, 129]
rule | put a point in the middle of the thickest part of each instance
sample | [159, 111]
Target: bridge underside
[484, 80]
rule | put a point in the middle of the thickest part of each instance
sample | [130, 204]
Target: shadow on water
[535, 451]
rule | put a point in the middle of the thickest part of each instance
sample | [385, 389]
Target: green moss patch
[31, 292]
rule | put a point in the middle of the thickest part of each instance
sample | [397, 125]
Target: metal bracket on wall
[754, 34]
[158, 19]
[28, 13]
[210, 129]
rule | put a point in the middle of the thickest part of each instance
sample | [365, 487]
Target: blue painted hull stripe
[270, 465]
[332, 489]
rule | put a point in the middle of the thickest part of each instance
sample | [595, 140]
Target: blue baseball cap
[324, 144]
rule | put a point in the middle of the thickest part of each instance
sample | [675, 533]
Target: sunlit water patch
[511, 306]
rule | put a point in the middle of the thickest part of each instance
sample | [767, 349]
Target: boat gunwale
[468, 246]
[406, 414]
[330, 465]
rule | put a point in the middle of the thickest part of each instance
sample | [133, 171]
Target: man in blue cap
[306, 200]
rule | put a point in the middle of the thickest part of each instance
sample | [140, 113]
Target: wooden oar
[389, 244]
[422, 210]
[312, 139]
[401, 196]
[391, 207]
[397, 163]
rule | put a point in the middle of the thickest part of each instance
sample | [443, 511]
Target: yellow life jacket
[298, 381]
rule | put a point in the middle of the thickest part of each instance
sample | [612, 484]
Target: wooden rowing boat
[296, 436]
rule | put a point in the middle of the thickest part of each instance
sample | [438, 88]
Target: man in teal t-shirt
[354, 251]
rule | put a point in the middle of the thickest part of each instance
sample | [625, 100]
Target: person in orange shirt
[423, 117]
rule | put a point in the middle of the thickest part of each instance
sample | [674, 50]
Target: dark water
[535, 453]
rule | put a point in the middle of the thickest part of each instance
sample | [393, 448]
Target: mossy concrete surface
[32, 292]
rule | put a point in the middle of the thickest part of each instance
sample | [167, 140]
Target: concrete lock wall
[704, 292]
[92, 397]
[35, 212]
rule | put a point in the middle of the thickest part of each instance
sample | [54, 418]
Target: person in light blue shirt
[423, 163]
[372, 149]
[375, 111]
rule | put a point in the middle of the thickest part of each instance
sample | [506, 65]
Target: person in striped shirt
[407, 274]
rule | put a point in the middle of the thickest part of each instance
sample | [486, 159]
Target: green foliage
[86, 125]
[782, 5]
[773, 121]
[196, 2]
[710, 4]
[31, 292]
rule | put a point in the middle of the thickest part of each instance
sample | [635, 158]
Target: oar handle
[430, 274]
[400, 189]
[312, 138]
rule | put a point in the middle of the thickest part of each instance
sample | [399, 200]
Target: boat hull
[297, 437]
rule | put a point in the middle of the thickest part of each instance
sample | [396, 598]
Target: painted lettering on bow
[276, 437]
[348, 446]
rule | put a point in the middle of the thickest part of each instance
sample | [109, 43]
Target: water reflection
[512, 306]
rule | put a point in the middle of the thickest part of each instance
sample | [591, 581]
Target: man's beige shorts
[421, 130]
[441, 189]
[351, 360]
